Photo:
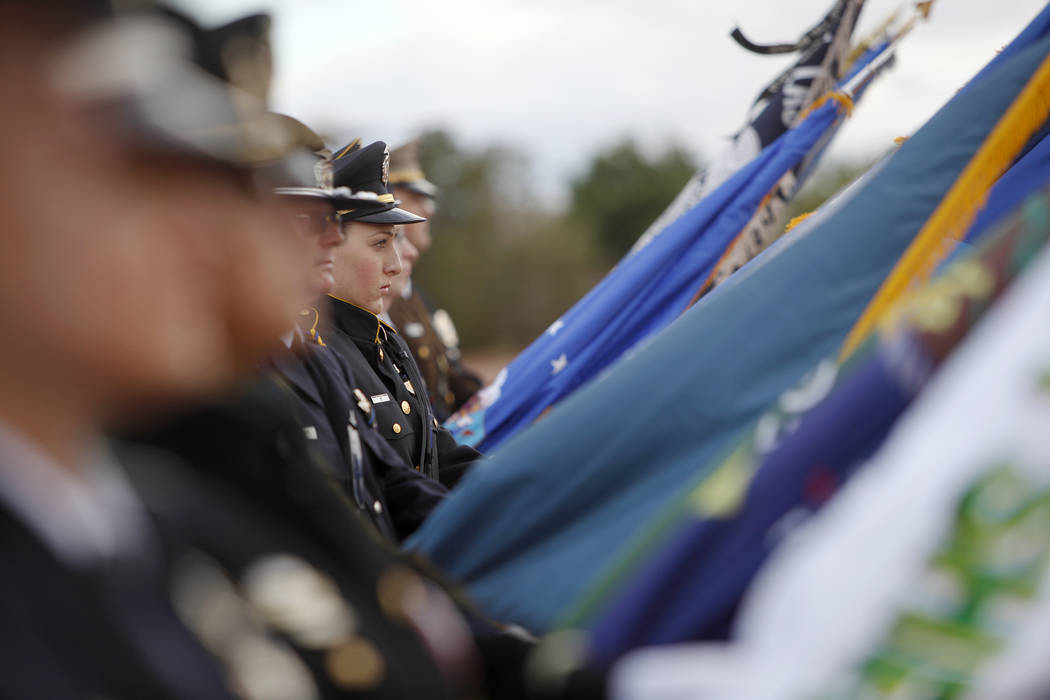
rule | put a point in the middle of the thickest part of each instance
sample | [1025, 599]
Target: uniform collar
[85, 516]
[359, 323]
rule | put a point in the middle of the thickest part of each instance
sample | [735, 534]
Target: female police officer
[364, 268]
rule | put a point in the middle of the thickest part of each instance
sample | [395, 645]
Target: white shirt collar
[81, 516]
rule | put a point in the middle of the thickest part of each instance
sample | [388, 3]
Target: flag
[689, 587]
[532, 525]
[647, 290]
[775, 110]
[929, 576]
[1020, 122]
[768, 442]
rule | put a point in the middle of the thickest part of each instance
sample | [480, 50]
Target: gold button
[401, 593]
[380, 354]
[435, 422]
[355, 664]
[418, 469]
[397, 428]
[424, 352]
[405, 408]
[450, 398]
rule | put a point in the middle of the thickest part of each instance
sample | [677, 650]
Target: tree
[622, 192]
[503, 268]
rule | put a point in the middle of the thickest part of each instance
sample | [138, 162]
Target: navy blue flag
[649, 288]
[531, 526]
[823, 50]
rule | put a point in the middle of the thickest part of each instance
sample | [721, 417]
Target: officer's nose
[393, 265]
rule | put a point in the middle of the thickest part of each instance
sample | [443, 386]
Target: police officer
[336, 418]
[365, 269]
[430, 334]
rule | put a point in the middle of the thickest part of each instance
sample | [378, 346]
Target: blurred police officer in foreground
[366, 267]
[430, 334]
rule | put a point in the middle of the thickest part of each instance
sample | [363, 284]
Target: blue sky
[559, 79]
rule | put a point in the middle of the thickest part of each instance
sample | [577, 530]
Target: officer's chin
[323, 284]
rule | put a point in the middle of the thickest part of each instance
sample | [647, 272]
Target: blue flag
[775, 436]
[823, 50]
[690, 586]
[531, 526]
[647, 290]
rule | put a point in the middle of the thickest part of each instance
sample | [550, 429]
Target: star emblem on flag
[555, 327]
[559, 364]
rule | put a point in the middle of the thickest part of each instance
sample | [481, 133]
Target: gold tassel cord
[797, 220]
[957, 210]
[845, 103]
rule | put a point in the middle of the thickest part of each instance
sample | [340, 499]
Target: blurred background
[558, 131]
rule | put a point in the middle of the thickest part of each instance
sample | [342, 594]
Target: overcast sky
[559, 79]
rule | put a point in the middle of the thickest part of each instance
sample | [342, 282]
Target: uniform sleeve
[453, 459]
[411, 496]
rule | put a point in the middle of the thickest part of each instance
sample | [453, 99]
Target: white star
[555, 327]
[559, 364]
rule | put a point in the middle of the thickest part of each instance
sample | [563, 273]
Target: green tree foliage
[623, 191]
[503, 268]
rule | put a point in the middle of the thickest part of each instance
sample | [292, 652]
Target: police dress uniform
[249, 449]
[245, 577]
[340, 428]
[381, 362]
[378, 356]
[431, 339]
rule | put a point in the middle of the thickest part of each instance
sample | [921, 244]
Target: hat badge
[323, 173]
[384, 174]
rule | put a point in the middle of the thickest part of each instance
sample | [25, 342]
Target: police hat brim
[141, 69]
[341, 198]
[393, 215]
[421, 186]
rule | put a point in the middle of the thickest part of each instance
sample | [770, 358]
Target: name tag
[380, 398]
[310, 432]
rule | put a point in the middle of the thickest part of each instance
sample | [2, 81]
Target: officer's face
[417, 234]
[409, 254]
[366, 265]
[124, 274]
[317, 234]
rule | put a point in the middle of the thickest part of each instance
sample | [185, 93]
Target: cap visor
[341, 200]
[310, 192]
[390, 216]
